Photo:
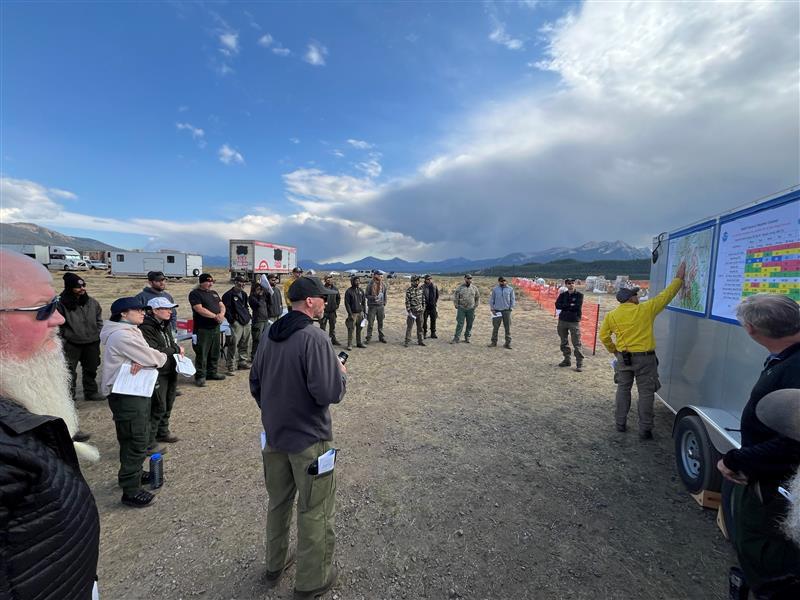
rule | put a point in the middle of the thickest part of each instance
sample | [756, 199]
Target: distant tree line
[560, 269]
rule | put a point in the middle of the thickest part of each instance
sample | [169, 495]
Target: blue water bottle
[156, 471]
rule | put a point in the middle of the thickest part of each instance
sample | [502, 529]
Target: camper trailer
[172, 264]
[38, 253]
[251, 258]
[708, 363]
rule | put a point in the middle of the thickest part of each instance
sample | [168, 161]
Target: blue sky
[424, 130]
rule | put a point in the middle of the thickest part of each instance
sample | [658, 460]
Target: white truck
[39, 253]
[172, 264]
[708, 363]
[251, 258]
[64, 258]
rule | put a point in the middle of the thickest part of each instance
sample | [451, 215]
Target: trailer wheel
[695, 456]
[727, 506]
[196, 272]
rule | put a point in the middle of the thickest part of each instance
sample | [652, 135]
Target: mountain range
[28, 233]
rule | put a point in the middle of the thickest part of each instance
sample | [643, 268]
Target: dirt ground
[465, 472]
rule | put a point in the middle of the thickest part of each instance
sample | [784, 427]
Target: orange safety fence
[545, 296]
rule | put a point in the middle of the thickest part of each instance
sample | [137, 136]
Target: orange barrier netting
[546, 295]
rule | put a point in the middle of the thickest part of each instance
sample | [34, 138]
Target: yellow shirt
[286, 285]
[632, 324]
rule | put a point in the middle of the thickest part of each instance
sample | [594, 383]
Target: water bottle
[156, 471]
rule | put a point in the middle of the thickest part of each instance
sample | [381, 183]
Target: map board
[758, 251]
[694, 247]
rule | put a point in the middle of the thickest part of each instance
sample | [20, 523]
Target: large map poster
[694, 247]
[758, 252]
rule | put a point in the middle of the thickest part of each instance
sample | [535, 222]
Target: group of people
[294, 377]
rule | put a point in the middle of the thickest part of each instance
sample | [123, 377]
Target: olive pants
[373, 313]
[329, 320]
[257, 330]
[644, 370]
[567, 329]
[132, 421]
[505, 320]
[237, 346]
[461, 315]
[410, 321]
[88, 355]
[353, 324]
[286, 476]
[161, 404]
[764, 551]
[206, 352]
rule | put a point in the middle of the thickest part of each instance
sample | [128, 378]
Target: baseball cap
[239, 279]
[206, 277]
[415, 278]
[566, 281]
[155, 275]
[625, 294]
[121, 305]
[467, 276]
[308, 287]
[297, 270]
[160, 302]
[501, 278]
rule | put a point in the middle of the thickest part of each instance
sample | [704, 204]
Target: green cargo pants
[410, 323]
[461, 315]
[206, 352]
[161, 406]
[132, 421]
[286, 476]
[237, 345]
[505, 321]
[644, 370]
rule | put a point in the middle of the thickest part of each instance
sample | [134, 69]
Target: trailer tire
[196, 272]
[695, 456]
[727, 507]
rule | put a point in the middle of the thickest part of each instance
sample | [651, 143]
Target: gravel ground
[465, 472]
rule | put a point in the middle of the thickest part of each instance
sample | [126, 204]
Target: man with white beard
[48, 517]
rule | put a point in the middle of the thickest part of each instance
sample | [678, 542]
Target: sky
[412, 129]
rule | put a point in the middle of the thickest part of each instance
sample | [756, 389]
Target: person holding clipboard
[125, 354]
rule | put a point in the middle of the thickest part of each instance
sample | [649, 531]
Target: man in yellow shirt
[297, 273]
[634, 346]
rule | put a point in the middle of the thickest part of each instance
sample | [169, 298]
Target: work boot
[565, 363]
[646, 435]
[454, 340]
[243, 366]
[335, 342]
[360, 346]
[466, 339]
[310, 595]
[200, 382]
[349, 347]
[382, 340]
[492, 345]
[168, 438]
[578, 366]
[274, 576]
[622, 428]
[420, 343]
[507, 345]
[216, 377]
[433, 336]
[405, 344]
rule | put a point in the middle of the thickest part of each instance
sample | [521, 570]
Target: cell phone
[343, 356]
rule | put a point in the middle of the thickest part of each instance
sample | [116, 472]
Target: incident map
[695, 249]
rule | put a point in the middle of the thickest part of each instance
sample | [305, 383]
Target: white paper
[184, 365]
[325, 462]
[363, 322]
[95, 592]
[411, 316]
[141, 384]
[225, 328]
[263, 439]
[285, 311]
[194, 339]
[613, 363]
[497, 315]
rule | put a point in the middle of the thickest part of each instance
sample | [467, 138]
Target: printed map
[695, 249]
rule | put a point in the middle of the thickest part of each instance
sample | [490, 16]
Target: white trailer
[37, 252]
[708, 362]
[251, 258]
[172, 264]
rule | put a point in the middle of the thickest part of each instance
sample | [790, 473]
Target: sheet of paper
[325, 462]
[141, 384]
[184, 365]
[411, 316]
[363, 323]
[497, 315]
[263, 439]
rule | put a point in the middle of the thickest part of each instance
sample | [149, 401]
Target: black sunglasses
[43, 312]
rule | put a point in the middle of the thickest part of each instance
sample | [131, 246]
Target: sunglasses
[43, 312]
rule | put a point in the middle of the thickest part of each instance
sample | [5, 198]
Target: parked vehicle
[38, 253]
[64, 258]
[708, 363]
[96, 264]
[251, 258]
[172, 264]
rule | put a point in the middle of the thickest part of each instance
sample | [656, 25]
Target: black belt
[648, 353]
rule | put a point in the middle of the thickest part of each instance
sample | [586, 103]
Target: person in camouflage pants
[415, 307]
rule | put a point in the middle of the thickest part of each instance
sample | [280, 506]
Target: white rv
[251, 258]
[172, 264]
[38, 253]
[64, 258]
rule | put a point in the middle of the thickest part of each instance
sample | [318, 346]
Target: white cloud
[360, 144]
[24, 200]
[230, 156]
[499, 36]
[338, 153]
[294, 140]
[183, 108]
[281, 51]
[315, 54]
[265, 40]
[230, 43]
[198, 135]
[371, 168]
[251, 20]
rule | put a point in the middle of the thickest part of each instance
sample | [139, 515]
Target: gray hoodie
[123, 343]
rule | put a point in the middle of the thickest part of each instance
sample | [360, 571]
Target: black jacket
[570, 306]
[260, 307]
[83, 319]
[332, 303]
[158, 335]
[355, 301]
[431, 294]
[236, 310]
[49, 527]
[765, 455]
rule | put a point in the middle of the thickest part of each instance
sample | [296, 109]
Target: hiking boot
[579, 366]
[646, 435]
[274, 576]
[507, 345]
[335, 342]
[360, 346]
[310, 595]
[349, 348]
[81, 436]
[420, 343]
[454, 340]
[216, 377]
[434, 336]
[243, 366]
[200, 382]
[140, 499]
[565, 363]
[466, 340]
[178, 393]
[168, 438]
[405, 344]
[492, 345]
[383, 341]
[622, 428]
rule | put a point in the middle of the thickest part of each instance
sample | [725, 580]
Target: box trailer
[37, 252]
[251, 258]
[173, 264]
[708, 363]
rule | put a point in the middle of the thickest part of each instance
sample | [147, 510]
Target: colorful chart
[773, 269]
